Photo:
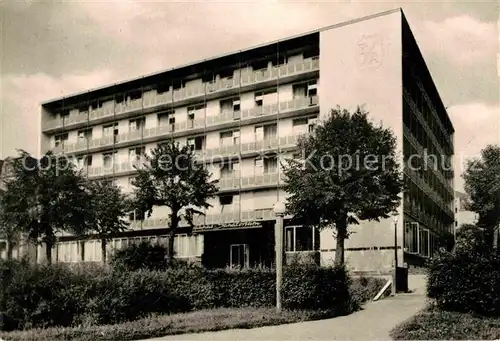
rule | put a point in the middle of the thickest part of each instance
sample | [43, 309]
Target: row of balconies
[429, 191]
[200, 123]
[433, 167]
[422, 217]
[433, 110]
[214, 154]
[200, 221]
[151, 99]
[424, 124]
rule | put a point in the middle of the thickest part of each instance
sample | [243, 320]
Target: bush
[142, 256]
[42, 296]
[465, 282]
[316, 288]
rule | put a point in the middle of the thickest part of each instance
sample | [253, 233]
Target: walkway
[372, 323]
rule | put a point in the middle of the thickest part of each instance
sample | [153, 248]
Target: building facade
[246, 110]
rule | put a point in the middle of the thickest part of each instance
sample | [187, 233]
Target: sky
[52, 49]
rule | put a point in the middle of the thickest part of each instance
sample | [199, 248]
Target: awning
[227, 226]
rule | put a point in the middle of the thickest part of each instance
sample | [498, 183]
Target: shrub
[42, 296]
[465, 282]
[142, 256]
[315, 288]
[363, 289]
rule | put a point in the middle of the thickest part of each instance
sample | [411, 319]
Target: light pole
[395, 221]
[279, 210]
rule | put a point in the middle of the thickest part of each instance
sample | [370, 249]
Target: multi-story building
[247, 109]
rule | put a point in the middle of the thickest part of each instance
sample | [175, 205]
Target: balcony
[250, 182]
[111, 110]
[187, 127]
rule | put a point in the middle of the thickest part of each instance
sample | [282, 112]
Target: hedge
[465, 282]
[41, 296]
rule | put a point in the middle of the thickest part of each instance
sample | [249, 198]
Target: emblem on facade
[370, 51]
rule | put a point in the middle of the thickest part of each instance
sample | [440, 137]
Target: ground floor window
[418, 239]
[239, 256]
[301, 238]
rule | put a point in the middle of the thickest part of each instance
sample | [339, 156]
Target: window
[230, 138]
[136, 215]
[85, 134]
[181, 245]
[239, 256]
[307, 89]
[259, 166]
[266, 97]
[271, 165]
[304, 125]
[137, 124]
[196, 143]
[108, 159]
[163, 117]
[230, 104]
[311, 125]
[411, 237]
[226, 200]
[236, 105]
[301, 238]
[135, 154]
[110, 130]
[259, 99]
[84, 161]
[60, 139]
[270, 131]
[230, 169]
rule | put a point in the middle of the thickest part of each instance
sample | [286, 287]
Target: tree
[482, 185]
[109, 206]
[8, 228]
[47, 196]
[348, 172]
[470, 239]
[171, 178]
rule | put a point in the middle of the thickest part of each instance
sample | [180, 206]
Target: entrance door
[238, 255]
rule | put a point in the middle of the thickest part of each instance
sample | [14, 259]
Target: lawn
[157, 326]
[435, 324]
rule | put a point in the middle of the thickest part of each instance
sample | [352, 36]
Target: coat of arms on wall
[370, 51]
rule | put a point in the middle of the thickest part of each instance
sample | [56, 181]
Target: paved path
[372, 323]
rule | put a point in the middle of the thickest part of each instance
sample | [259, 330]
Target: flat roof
[82, 94]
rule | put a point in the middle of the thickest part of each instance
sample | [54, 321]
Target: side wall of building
[360, 64]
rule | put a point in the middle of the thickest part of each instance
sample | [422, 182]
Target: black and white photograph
[249, 170]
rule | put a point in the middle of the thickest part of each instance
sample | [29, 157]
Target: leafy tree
[171, 178]
[8, 227]
[470, 239]
[109, 206]
[482, 185]
[348, 172]
[47, 196]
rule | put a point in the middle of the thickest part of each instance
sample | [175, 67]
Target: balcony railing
[236, 182]
[152, 98]
[215, 154]
[161, 130]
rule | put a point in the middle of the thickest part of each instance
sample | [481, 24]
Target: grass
[157, 326]
[435, 324]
